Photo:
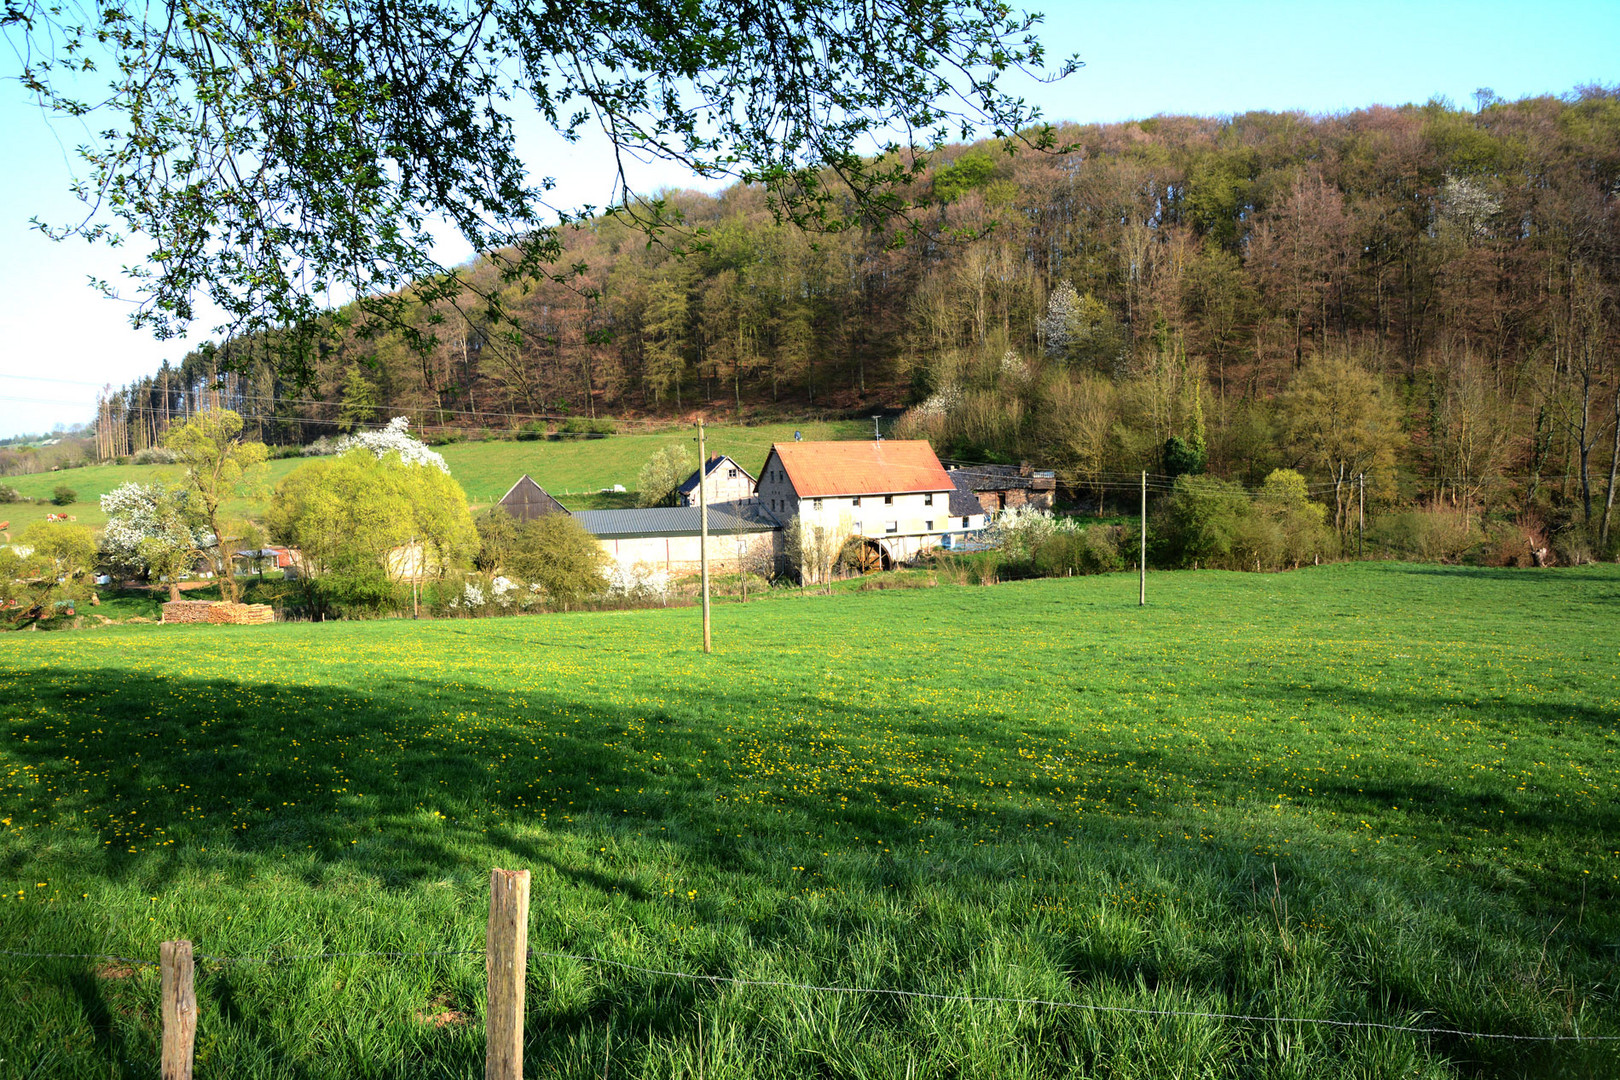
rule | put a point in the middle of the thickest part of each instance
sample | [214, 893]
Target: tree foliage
[556, 553]
[1341, 417]
[272, 155]
[359, 403]
[154, 531]
[1468, 259]
[50, 565]
[219, 465]
[348, 513]
[664, 473]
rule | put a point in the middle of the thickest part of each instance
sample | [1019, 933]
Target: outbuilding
[667, 537]
[527, 500]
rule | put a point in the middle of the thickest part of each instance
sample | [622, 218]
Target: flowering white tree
[152, 530]
[1060, 326]
[638, 582]
[1022, 529]
[394, 439]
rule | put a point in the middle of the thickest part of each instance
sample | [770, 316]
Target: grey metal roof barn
[724, 518]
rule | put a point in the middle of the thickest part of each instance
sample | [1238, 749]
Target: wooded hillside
[1171, 277]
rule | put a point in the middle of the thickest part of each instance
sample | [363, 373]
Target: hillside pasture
[1360, 794]
[485, 470]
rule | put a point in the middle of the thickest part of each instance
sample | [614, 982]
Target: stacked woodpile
[186, 611]
[211, 611]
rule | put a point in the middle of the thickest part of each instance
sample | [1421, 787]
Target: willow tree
[274, 153]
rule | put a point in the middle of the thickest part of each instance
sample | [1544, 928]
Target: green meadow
[485, 470]
[1364, 794]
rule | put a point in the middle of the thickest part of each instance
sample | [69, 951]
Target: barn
[527, 500]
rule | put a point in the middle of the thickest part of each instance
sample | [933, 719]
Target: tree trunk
[1614, 473]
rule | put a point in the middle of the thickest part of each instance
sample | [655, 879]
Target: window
[930, 526]
[928, 500]
[817, 504]
[888, 500]
[891, 526]
[731, 473]
[856, 501]
[964, 523]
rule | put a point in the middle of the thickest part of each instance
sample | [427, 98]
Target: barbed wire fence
[508, 957]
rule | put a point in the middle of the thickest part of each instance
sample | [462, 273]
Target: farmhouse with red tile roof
[893, 496]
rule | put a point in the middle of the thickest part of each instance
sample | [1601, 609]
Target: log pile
[211, 611]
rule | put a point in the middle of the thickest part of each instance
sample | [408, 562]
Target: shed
[527, 500]
[667, 537]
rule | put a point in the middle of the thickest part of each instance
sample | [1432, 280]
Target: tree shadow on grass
[406, 783]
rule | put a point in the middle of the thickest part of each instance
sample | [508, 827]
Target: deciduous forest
[1425, 295]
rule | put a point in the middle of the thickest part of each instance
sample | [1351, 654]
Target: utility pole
[1141, 596]
[703, 531]
[1361, 530]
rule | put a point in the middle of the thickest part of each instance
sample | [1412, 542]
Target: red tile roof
[861, 468]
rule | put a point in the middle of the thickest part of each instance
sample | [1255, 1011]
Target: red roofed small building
[892, 495]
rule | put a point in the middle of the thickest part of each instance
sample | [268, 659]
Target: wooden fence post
[507, 963]
[179, 1009]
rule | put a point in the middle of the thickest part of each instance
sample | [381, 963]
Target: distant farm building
[667, 537]
[893, 497]
[723, 480]
[1006, 487]
[527, 500]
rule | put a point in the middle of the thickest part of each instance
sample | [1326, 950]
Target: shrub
[1426, 534]
[497, 538]
[62, 495]
[357, 593]
[156, 455]
[1204, 523]
[580, 425]
[1573, 547]
[9, 494]
[1303, 533]
[968, 568]
[558, 555]
[1216, 523]
[529, 432]
[1019, 532]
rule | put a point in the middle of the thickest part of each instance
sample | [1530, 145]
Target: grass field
[1373, 793]
[485, 470]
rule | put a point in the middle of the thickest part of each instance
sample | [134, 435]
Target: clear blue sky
[59, 340]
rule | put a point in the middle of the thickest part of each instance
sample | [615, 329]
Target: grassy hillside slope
[485, 470]
[1371, 793]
